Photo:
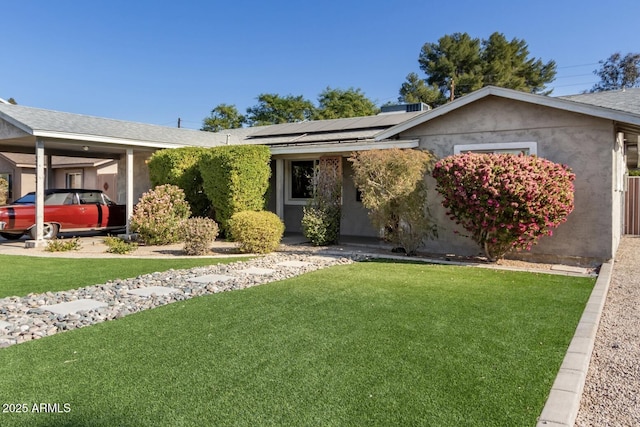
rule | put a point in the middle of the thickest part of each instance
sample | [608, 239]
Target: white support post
[280, 188]
[129, 179]
[40, 183]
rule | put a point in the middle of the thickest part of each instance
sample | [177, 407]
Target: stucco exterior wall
[141, 180]
[582, 142]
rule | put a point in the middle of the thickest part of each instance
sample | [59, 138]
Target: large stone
[151, 290]
[74, 306]
[257, 271]
[210, 278]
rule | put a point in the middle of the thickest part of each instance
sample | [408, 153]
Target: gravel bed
[610, 396]
[26, 319]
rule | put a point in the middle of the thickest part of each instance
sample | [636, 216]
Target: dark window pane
[302, 179]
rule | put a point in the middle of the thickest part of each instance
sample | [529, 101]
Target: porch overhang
[341, 148]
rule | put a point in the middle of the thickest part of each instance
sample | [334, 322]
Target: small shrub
[199, 234]
[116, 245]
[61, 245]
[321, 225]
[158, 216]
[321, 217]
[257, 232]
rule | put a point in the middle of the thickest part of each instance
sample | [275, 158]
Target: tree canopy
[618, 72]
[339, 104]
[223, 116]
[459, 64]
[275, 109]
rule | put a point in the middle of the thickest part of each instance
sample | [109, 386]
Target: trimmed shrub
[257, 232]
[179, 167]
[393, 188]
[236, 179]
[116, 245]
[505, 201]
[159, 215]
[199, 234]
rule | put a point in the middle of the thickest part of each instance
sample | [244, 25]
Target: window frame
[498, 147]
[289, 199]
[70, 173]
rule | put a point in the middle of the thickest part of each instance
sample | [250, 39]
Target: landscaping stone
[70, 308]
[153, 290]
[258, 271]
[211, 278]
[35, 316]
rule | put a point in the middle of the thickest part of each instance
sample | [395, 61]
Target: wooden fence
[632, 206]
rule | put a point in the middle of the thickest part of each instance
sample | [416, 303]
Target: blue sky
[153, 62]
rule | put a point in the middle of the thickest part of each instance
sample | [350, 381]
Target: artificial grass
[377, 344]
[22, 275]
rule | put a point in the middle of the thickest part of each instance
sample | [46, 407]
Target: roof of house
[627, 100]
[627, 116]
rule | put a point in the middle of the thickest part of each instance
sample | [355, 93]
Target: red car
[64, 210]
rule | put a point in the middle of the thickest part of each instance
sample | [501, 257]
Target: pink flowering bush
[159, 216]
[505, 201]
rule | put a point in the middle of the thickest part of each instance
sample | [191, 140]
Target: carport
[48, 133]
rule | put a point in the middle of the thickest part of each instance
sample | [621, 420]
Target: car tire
[11, 236]
[50, 231]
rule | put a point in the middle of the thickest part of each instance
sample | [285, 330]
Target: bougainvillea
[505, 201]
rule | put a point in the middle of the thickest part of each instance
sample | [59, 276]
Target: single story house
[595, 134]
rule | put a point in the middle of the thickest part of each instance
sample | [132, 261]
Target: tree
[224, 116]
[416, 90]
[507, 64]
[393, 188]
[618, 72]
[505, 201]
[338, 103]
[275, 109]
[458, 64]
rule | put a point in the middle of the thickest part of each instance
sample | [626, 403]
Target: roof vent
[404, 108]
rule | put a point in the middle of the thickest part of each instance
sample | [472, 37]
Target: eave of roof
[547, 101]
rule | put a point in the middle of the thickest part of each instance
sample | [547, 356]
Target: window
[74, 180]
[7, 177]
[526, 148]
[302, 173]
[300, 177]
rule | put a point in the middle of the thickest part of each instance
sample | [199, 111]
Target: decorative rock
[32, 317]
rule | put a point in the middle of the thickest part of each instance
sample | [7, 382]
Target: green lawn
[367, 344]
[22, 275]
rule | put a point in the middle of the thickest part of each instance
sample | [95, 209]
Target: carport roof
[68, 126]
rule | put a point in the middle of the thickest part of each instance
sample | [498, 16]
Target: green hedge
[257, 232]
[235, 179]
[180, 167]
